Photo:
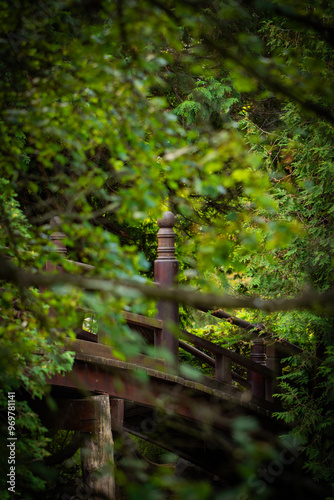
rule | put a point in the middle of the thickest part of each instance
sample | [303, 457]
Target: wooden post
[274, 357]
[223, 368]
[166, 268]
[57, 239]
[97, 454]
[258, 355]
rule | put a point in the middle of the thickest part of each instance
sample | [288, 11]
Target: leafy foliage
[111, 113]
[29, 348]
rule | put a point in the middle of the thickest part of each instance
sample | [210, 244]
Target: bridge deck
[96, 369]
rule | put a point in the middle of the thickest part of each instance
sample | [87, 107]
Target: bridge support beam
[166, 268]
[97, 453]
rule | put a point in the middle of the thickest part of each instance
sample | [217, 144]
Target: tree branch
[270, 81]
[311, 300]
[65, 453]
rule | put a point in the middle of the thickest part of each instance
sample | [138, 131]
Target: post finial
[55, 222]
[57, 236]
[167, 220]
[166, 237]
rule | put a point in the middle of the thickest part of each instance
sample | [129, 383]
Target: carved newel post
[166, 268]
[57, 239]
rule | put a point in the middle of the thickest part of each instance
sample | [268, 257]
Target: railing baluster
[223, 368]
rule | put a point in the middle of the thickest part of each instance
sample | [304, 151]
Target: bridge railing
[264, 364]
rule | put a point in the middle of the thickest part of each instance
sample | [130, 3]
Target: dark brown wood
[274, 362]
[117, 413]
[166, 268]
[97, 454]
[86, 347]
[211, 362]
[138, 319]
[68, 414]
[196, 352]
[234, 356]
[240, 380]
[85, 335]
[257, 380]
[274, 357]
[119, 380]
[250, 327]
[77, 415]
[223, 370]
[104, 351]
[148, 328]
[287, 348]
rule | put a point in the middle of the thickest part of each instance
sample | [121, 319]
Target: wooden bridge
[192, 417]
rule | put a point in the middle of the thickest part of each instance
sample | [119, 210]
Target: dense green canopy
[114, 111]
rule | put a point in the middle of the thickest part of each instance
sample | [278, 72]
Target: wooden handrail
[87, 267]
[140, 320]
[197, 353]
[234, 356]
[211, 362]
[285, 346]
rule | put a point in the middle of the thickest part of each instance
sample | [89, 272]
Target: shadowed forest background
[221, 111]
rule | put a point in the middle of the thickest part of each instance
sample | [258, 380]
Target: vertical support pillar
[258, 354]
[166, 268]
[117, 414]
[97, 454]
[274, 357]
